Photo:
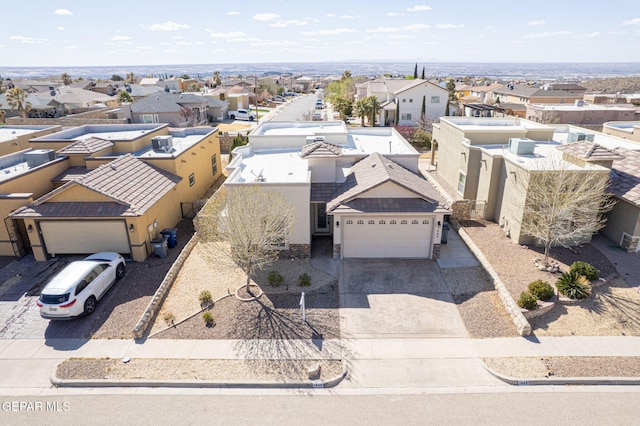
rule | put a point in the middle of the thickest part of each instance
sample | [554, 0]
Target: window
[404, 100]
[406, 117]
[382, 222]
[462, 179]
[349, 222]
[361, 222]
[410, 100]
[435, 99]
[425, 222]
[392, 222]
[414, 222]
[214, 164]
[403, 222]
[372, 222]
[192, 179]
[150, 118]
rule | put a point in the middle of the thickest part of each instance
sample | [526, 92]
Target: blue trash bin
[445, 230]
[172, 236]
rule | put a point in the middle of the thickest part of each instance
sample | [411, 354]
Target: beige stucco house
[109, 187]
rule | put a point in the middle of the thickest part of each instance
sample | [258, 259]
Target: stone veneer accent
[630, 243]
[436, 251]
[461, 209]
[337, 251]
[297, 251]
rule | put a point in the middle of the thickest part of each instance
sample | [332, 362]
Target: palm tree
[374, 106]
[361, 110]
[124, 96]
[17, 100]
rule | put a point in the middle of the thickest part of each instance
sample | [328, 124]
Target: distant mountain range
[498, 71]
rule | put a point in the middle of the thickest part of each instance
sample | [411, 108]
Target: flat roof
[13, 132]
[103, 131]
[277, 165]
[492, 123]
[285, 128]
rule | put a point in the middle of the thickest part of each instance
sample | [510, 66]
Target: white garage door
[391, 236]
[80, 237]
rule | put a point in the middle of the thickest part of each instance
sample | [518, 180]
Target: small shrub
[573, 285]
[304, 280]
[205, 297]
[541, 289]
[169, 318]
[208, 318]
[275, 279]
[585, 269]
[528, 301]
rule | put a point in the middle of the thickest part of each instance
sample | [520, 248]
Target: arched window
[414, 222]
[425, 222]
[382, 222]
[372, 222]
[403, 222]
[361, 222]
[392, 222]
[349, 222]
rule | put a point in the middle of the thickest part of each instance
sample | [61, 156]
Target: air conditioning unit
[579, 137]
[521, 146]
[162, 143]
[38, 157]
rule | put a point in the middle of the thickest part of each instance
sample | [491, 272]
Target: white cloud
[71, 47]
[384, 30]
[290, 22]
[419, 8]
[60, 28]
[266, 16]
[63, 12]
[120, 38]
[539, 22]
[331, 15]
[402, 36]
[233, 12]
[330, 32]
[350, 16]
[449, 26]
[167, 26]
[396, 14]
[184, 43]
[27, 40]
[634, 21]
[547, 34]
[233, 34]
[415, 27]
[592, 35]
[274, 43]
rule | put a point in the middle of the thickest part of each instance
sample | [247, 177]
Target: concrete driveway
[396, 298]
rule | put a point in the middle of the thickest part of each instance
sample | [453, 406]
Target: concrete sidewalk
[372, 363]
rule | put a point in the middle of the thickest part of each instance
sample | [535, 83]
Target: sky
[100, 33]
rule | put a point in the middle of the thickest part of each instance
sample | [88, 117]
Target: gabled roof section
[625, 177]
[375, 170]
[589, 151]
[86, 146]
[166, 102]
[128, 184]
[320, 149]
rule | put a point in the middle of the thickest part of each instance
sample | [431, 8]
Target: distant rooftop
[493, 123]
[120, 132]
[8, 132]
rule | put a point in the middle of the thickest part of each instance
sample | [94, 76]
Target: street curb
[107, 383]
[557, 381]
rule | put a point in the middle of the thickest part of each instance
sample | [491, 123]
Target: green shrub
[304, 280]
[205, 297]
[275, 279]
[208, 318]
[585, 269]
[528, 301]
[573, 285]
[541, 289]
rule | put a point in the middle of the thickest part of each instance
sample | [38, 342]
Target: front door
[321, 220]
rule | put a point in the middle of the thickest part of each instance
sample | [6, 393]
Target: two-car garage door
[80, 237]
[387, 236]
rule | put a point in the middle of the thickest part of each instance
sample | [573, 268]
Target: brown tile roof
[86, 146]
[323, 191]
[625, 176]
[72, 173]
[589, 151]
[375, 170]
[387, 205]
[320, 149]
[129, 185]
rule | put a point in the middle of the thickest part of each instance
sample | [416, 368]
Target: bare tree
[564, 204]
[246, 226]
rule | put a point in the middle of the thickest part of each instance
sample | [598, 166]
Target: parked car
[242, 114]
[319, 104]
[317, 116]
[279, 98]
[76, 289]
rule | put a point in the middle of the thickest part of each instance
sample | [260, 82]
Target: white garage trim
[387, 236]
[86, 236]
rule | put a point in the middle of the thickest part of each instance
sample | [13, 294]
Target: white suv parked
[242, 114]
[76, 289]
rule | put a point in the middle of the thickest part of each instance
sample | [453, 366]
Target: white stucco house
[361, 187]
[405, 97]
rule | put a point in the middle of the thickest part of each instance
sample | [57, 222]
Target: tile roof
[166, 102]
[589, 151]
[86, 146]
[72, 173]
[375, 170]
[387, 205]
[320, 149]
[323, 191]
[127, 182]
[625, 176]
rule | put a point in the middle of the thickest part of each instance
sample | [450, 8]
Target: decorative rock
[313, 372]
